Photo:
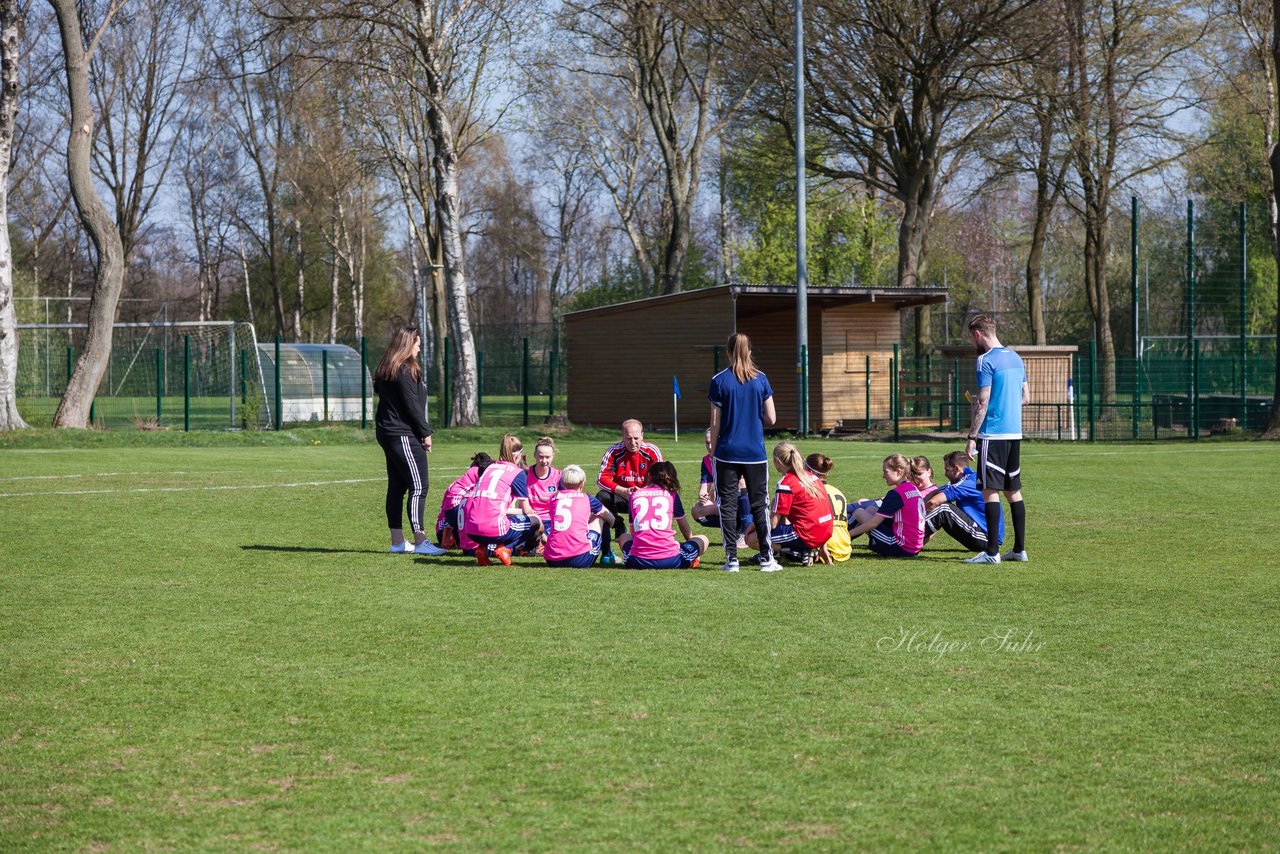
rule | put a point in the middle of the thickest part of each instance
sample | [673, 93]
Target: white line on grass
[1144, 450]
[196, 488]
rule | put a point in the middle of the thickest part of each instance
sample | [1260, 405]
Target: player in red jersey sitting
[624, 468]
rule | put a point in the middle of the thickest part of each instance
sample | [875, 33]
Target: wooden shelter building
[622, 358]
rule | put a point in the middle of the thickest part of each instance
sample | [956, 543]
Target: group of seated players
[500, 509]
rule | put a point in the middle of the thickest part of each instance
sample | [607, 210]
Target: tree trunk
[244, 269]
[73, 411]
[1095, 267]
[1035, 258]
[1273, 425]
[677, 251]
[333, 299]
[338, 228]
[912, 258]
[464, 411]
[9, 53]
[357, 282]
[299, 260]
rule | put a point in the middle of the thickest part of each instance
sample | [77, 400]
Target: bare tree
[897, 92]
[1127, 81]
[254, 72]
[1273, 426]
[9, 52]
[209, 181]
[599, 120]
[667, 60]
[138, 82]
[73, 410]
[438, 52]
[1030, 143]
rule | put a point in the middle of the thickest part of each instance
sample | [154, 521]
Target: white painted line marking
[195, 488]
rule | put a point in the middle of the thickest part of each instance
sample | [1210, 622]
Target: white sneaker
[730, 565]
[983, 557]
[402, 548]
[770, 565]
[426, 547]
[1020, 557]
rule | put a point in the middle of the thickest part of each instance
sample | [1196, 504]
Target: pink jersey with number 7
[486, 509]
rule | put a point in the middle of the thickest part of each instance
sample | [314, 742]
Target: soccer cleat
[404, 548]
[983, 557]
[503, 554]
[608, 559]
[1020, 557]
[730, 565]
[482, 556]
[696, 561]
[428, 548]
[770, 565]
[447, 538]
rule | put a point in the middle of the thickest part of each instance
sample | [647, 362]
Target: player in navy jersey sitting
[624, 468]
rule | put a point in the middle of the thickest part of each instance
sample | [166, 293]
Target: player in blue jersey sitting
[957, 508]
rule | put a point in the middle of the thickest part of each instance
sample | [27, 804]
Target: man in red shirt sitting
[623, 469]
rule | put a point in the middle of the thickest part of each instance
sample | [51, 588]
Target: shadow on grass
[308, 550]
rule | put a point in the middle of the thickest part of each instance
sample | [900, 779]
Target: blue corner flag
[675, 387]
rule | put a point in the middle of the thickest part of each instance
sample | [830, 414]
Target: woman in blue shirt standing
[741, 407]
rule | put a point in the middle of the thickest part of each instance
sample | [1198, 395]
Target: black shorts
[999, 464]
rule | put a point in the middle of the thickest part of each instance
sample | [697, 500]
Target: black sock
[1018, 515]
[992, 509]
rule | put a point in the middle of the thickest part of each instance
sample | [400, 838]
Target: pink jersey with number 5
[653, 513]
[567, 534]
[485, 513]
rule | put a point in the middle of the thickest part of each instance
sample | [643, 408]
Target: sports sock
[1018, 515]
[992, 511]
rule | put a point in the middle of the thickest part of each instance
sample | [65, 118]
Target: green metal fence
[1167, 397]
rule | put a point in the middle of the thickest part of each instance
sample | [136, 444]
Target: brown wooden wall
[620, 363]
[850, 334]
[773, 346]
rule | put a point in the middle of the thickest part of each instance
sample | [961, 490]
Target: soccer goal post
[186, 375]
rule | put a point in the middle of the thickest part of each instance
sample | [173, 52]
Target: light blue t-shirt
[1002, 370]
[741, 423]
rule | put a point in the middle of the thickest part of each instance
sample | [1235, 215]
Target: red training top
[620, 467]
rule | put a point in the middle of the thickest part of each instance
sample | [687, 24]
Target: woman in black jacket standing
[405, 438]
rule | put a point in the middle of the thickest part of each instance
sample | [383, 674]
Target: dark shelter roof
[754, 299]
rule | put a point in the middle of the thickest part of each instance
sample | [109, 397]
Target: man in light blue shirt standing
[995, 432]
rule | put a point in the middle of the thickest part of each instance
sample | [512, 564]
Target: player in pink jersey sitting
[544, 481]
[448, 521]
[497, 512]
[896, 528]
[654, 508]
[574, 533]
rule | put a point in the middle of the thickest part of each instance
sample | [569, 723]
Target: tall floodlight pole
[802, 273]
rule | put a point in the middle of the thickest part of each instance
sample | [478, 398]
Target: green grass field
[206, 646]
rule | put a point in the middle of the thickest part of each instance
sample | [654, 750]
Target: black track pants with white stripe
[406, 473]
[957, 523]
